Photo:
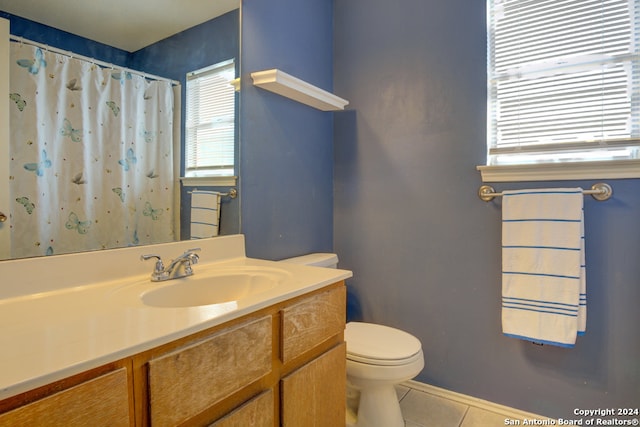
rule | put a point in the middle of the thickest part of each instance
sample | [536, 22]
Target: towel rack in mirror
[600, 191]
[233, 193]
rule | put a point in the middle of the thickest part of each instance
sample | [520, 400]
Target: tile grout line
[466, 411]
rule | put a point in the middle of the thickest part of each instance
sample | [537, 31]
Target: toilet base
[378, 406]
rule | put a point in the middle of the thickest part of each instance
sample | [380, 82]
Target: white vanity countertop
[58, 332]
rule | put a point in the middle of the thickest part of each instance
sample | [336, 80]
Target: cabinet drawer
[191, 379]
[312, 321]
[257, 412]
[102, 401]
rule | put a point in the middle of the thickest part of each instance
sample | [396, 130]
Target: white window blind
[210, 121]
[564, 80]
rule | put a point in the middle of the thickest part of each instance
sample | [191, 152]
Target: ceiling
[126, 24]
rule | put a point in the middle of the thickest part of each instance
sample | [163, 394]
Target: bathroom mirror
[166, 33]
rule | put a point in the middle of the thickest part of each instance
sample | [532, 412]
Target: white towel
[205, 214]
[543, 268]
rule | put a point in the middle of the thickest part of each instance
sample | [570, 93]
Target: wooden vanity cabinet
[284, 365]
[314, 384]
[192, 379]
[103, 400]
[257, 412]
[314, 395]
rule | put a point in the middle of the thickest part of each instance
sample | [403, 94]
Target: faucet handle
[191, 256]
[159, 264]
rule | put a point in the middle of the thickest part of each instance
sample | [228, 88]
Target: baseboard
[508, 412]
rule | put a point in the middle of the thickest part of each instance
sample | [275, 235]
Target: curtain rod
[92, 60]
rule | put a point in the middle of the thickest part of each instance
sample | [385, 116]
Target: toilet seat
[381, 345]
[385, 362]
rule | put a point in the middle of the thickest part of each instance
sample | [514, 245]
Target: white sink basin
[216, 286]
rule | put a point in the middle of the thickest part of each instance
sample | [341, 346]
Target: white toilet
[378, 358]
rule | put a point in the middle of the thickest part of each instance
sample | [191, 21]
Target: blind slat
[562, 74]
[210, 121]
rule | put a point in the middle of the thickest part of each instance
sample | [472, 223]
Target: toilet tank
[317, 259]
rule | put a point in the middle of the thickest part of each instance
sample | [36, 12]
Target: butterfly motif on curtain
[17, 98]
[121, 76]
[39, 167]
[119, 192]
[153, 213]
[49, 251]
[135, 237]
[68, 130]
[73, 223]
[114, 107]
[73, 85]
[28, 204]
[152, 174]
[147, 135]
[33, 65]
[129, 160]
[78, 179]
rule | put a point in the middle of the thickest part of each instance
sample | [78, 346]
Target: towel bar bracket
[600, 191]
[487, 193]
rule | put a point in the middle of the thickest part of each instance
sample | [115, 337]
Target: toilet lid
[368, 341]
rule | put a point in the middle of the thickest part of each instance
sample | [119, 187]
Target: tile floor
[422, 409]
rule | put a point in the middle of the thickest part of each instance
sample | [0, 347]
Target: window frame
[556, 170]
[191, 178]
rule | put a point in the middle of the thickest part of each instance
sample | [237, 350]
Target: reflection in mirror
[92, 148]
[90, 155]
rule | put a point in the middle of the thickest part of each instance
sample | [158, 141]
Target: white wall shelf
[279, 82]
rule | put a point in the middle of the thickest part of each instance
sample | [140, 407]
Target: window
[563, 81]
[210, 121]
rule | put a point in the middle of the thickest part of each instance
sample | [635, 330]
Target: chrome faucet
[179, 267]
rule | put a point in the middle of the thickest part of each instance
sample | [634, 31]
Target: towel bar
[600, 191]
[233, 193]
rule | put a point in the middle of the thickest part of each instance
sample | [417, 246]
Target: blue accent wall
[425, 250]
[286, 152]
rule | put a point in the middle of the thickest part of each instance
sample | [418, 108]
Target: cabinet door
[257, 412]
[191, 379]
[312, 321]
[314, 395]
[102, 401]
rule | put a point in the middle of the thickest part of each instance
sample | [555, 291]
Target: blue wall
[425, 251]
[286, 153]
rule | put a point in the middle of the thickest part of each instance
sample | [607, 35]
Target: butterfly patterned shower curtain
[91, 162]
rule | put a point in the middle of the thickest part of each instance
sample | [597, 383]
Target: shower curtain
[91, 161]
